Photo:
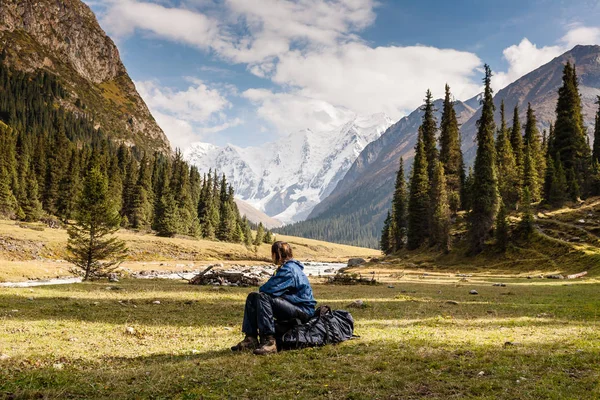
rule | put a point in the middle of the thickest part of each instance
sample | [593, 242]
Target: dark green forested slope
[46, 151]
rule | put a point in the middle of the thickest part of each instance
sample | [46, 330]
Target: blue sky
[249, 71]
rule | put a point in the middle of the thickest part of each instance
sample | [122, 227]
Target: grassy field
[71, 342]
[34, 251]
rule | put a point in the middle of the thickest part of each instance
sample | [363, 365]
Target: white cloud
[522, 59]
[581, 35]
[187, 115]
[370, 80]
[290, 112]
[270, 27]
[312, 50]
[125, 16]
[526, 56]
[198, 103]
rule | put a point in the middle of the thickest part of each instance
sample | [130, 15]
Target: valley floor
[424, 337]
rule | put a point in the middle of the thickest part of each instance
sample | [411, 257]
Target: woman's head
[281, 252]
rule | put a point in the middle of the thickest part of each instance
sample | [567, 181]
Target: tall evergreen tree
[70, 187]
[384, 242]
[419, 198]
[32, 206]
[247, 231]
[516, 140]
[501, 232]
[429, 127]
[451, 153]
[531, 179]
[569, 132]
[440, 227]
[509, 184]
[8, 203]
[527, 220]
[400, 207]
[260, 235]
[596, 150]
[485, 181]
[93, 248]
[533, 146]
[142, 197]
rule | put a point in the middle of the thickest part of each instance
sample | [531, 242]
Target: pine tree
[596, 150]
[142, 198]
[530, 175]
[485, 181]
[226, 229]
[559, 191]
[527, 220]
[467, 193]
[570, 140]
[268, 237]
[167, 216]
[247, 231]
[32, 206]
[384, 242]
[440, 227]
[128, 186]
[533, 145]
[399, 206]
[501, 232]
[418, 201]
[260, 235]
[8, 203]
[451, 153]
[70, 187]
[93, 248]
[508, 176]
[429, 128]
[549, 180]
[516, 140]
[238, 236]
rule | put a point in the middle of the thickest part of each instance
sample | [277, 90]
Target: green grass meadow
[70, 342]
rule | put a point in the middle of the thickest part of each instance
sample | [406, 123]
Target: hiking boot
[249, 343]
[268, 345]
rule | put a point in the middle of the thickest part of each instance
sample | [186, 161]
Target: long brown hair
[282, 252]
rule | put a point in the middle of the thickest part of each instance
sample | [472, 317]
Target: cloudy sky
[249, 71]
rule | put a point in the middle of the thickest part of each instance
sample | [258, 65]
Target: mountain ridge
[287, 177]
[66, 39]
[374, 171]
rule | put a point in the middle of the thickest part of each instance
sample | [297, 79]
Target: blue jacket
[290, 283]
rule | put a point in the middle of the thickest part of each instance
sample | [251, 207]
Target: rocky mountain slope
[540, 88]
[285, 179]
[65, 38]
[363, 196]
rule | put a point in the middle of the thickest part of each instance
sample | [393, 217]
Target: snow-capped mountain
[286, 178]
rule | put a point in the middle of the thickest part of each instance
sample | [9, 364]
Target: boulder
[112, 277]
[354, 262]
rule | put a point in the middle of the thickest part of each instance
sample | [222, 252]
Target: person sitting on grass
[286, 295]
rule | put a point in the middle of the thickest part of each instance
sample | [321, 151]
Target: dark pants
[261, 311]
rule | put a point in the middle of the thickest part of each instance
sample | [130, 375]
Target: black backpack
[325, 327]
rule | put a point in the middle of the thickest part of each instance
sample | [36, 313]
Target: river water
[310, 269]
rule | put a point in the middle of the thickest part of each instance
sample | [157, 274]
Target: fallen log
[575, 276]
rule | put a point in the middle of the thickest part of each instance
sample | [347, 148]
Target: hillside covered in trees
[355, 211]
[46, 151]
[514, 171]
